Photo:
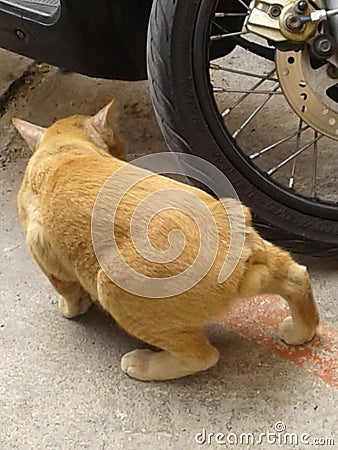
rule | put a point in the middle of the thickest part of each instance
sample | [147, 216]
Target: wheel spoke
[215, 66]
[293, 171]
[218, 37]
[275, 144]
[245, 91]
[254, 113]
[243, 97]
[244, 5]
[231, 14]
[274, 169]
[314, 172]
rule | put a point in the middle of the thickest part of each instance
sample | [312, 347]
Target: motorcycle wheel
[221, 98]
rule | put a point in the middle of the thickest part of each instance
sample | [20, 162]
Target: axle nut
[293, 23]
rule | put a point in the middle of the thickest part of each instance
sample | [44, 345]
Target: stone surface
[12, 66]
[61, 386]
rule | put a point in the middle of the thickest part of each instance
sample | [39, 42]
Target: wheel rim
[281, 153]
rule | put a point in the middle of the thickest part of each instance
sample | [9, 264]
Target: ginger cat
[72, 160]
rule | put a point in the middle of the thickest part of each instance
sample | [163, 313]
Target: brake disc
[306, 90]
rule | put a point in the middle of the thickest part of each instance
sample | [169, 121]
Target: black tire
[176, 68]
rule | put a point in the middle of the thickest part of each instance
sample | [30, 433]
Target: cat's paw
[295, 334]
[136, 364]
[70, 310]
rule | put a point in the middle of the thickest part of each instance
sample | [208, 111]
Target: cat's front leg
[74, 300]
[69, 310]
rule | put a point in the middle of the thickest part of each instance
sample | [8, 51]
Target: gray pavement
[60, 381]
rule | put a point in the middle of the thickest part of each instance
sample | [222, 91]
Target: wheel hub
[307, 90]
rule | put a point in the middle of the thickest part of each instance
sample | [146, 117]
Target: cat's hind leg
[184, 348]
[193, 354]
[271, 270]
[301, 326]
[292, 282]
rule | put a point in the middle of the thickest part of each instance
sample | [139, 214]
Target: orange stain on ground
[257, 320]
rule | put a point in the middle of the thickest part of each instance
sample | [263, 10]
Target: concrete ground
[61, 386]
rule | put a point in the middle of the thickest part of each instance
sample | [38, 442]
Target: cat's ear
[105, 119]
[32, 134]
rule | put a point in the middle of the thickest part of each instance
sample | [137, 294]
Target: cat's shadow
[243, 366]
[104, 328]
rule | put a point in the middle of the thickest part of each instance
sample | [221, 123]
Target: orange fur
[72, 160]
